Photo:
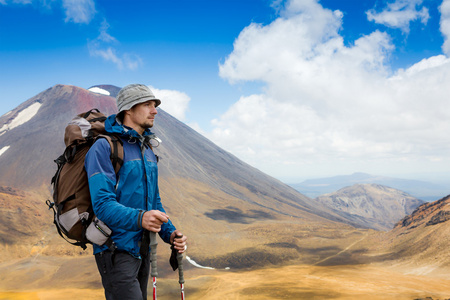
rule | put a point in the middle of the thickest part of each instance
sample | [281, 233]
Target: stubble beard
[147, 125]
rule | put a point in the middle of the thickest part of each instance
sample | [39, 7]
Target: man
[129, 202]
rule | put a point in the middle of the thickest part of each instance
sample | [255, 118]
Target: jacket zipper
[145, 175]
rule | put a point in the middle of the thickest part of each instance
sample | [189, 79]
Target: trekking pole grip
[180, 268]
[153, 245]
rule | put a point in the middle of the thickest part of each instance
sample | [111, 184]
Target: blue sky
[299, 89]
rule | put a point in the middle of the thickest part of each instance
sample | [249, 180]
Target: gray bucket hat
[133, 94]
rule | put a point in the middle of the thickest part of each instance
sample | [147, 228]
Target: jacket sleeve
[102, 182]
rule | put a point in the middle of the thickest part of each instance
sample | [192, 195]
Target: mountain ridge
[371, 205]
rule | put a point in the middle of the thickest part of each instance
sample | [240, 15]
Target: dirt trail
[344, 250]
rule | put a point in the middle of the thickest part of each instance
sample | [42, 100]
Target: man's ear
[127, 112]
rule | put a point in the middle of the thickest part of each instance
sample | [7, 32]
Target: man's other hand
[153, 219]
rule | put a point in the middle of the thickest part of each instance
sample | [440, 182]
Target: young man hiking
[129, 203]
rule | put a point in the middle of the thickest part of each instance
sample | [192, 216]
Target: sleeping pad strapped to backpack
[73, 213]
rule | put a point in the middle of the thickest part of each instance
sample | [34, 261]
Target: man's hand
[178, 240]
[153, 219]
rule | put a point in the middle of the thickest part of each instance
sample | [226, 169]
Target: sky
[299, 89]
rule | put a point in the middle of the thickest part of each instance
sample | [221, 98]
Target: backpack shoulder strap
[149, 145]
[116, 150]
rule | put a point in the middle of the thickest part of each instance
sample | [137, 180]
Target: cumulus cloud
[104, 46]
[399, 14]
[173, 102]
[445, 25]
[326, 105]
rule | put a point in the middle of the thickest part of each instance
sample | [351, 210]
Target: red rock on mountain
[428, 213]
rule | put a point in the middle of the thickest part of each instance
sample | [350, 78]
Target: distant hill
[420, 189]
[371, 205]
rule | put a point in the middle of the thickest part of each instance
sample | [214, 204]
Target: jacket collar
[113, 125]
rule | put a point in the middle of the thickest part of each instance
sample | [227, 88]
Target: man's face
[142, 115]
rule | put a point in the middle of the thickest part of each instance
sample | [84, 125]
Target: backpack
[72, 208]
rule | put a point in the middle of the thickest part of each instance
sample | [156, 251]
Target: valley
[278, 258]
[49, 278]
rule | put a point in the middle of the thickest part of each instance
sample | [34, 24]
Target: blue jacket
[120, 201]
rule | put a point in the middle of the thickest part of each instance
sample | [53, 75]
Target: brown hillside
[419, 243]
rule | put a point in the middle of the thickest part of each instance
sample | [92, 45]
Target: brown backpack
[73, 213]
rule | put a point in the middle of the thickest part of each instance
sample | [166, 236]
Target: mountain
[220, 202]
[32, 134]
[420, 189]
[371, 205]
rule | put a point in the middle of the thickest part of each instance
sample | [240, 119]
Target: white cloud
[173, 102]
[108, 54]
[399, 14]
[5, 2]
[79, 11]
[102, 47]
[104, 36]
[327, 106]
[425, 65]
[24, 2]
[445, 25]
[132, 61]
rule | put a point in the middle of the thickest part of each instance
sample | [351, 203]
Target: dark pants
[123, 275]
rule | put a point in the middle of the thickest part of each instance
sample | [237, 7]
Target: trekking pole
[154, 272]
[180, 273]
[176, 262]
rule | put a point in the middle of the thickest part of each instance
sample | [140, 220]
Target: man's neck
[135, 127]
